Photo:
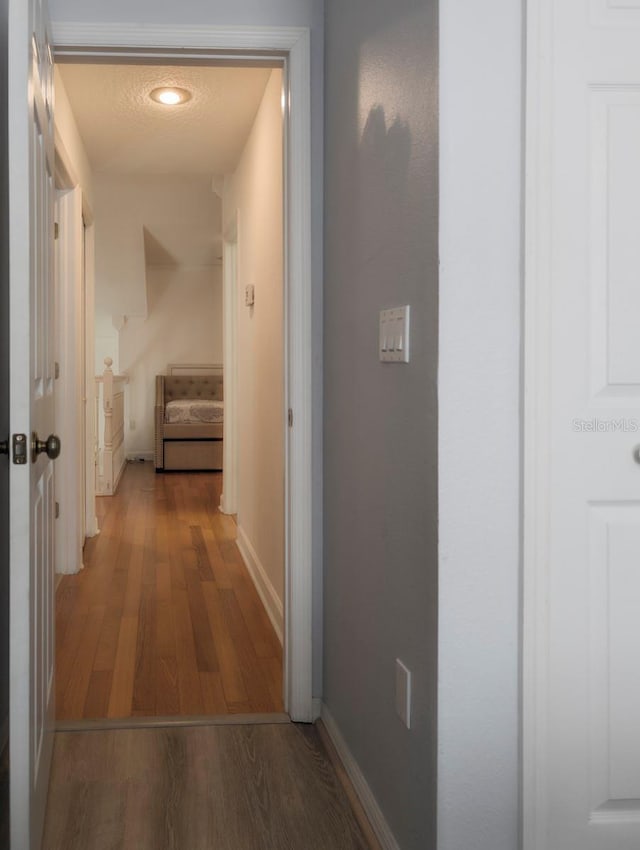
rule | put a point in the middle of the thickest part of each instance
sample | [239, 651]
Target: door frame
[291, 45]
[536, 405]
[76, 240]
[69, 283]
[229, 497]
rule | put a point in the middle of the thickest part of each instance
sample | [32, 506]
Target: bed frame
[195, 446]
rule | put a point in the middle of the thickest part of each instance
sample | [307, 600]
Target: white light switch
[394, 335]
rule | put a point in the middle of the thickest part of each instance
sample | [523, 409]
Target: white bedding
[187, 411]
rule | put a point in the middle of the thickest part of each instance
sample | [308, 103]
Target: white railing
[110, 454]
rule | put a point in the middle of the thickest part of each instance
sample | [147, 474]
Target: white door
[582, 636]
[32, 411]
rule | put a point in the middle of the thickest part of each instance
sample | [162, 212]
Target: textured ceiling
[126, 132]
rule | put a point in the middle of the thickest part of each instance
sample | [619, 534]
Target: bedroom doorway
[182, 496]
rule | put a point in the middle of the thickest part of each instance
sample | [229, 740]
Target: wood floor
[256, 787]
[164, 620]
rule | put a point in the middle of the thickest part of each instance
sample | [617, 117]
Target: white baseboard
[118, 476]
[92, 529]
[224, 508]
[360, 785]
[266, 591]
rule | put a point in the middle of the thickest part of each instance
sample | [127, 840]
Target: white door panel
[31, 169]
[589, 714]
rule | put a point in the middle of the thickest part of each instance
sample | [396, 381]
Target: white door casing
[31, 168]
[91, 426]
[69, 348]
[230, 295]
[582, 424]
[159, 43]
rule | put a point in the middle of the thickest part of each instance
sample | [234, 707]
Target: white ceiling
[126, 132]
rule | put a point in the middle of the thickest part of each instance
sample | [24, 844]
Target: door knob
[50, 446]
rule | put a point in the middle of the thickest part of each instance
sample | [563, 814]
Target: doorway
[292, 47]
[164, 583]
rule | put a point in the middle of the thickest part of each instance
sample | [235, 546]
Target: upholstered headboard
[192, 386]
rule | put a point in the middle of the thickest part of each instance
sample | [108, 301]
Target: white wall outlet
[403, 693]
[393, 342]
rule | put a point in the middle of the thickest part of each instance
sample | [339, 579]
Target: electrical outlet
[132, 424]
[403, 693]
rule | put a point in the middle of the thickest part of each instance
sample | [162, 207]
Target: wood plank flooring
[164, 620]
[261, 787]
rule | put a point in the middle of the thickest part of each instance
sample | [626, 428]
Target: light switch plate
[393, 341]
[249, 295]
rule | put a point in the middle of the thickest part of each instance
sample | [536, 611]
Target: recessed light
[170, 95]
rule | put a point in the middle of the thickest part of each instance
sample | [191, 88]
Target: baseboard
[363, 792]
[118, 476]
[92, 529]
[266, 591]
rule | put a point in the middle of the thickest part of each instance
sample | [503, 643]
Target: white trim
[69, 279]
[91, 426]
[372, 810]
[229, 496]
[537, 299]
[266, 591]
[294, 42]
[67, 178]
[73, 37]
[298, 483]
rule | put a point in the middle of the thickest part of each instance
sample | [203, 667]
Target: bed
[189, 419]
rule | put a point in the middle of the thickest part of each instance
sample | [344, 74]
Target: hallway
[164, 620]
[255, 787]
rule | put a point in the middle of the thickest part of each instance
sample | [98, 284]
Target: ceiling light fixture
[170, 95]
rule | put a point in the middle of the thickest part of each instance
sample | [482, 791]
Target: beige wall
[158, 277]
[184, 325]
[255, 192]
[150, 220]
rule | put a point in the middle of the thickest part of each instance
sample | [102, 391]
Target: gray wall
[4, 381]
[296, 13]
[481, 56]
[380, 420]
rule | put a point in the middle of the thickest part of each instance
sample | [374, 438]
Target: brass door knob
[50, 446]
